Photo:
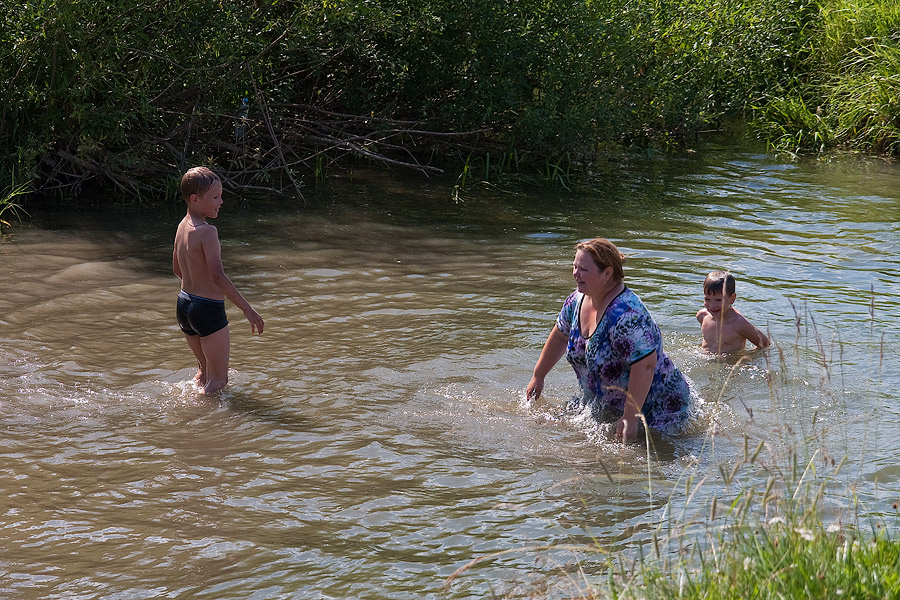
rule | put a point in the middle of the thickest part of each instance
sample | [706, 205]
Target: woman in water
[615, 348]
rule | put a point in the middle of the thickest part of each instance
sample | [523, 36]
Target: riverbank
[124, 98]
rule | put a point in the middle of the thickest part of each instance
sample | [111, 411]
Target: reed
[844, 94]
[11, 205]
[770, 543]
[865, 99]
[784, 559]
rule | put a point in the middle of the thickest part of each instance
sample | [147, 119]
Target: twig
[265, 114]
[182, 166]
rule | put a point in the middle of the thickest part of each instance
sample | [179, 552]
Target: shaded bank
[126, 95]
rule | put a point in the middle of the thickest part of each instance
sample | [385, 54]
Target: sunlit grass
[866, 98]
[779, 519]
[770, 543]
[780, 559]
[9, 204]
[845, 94]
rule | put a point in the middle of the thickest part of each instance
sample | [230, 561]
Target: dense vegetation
[125, 94]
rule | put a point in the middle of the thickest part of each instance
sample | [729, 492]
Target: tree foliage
[128, 94]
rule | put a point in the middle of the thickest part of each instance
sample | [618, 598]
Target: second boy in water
[725, 330]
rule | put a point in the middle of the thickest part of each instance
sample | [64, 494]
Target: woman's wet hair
[605, 254]
[718, 282]
[197, 181]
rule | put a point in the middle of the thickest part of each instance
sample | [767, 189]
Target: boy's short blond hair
[197, 181]
[718, 282]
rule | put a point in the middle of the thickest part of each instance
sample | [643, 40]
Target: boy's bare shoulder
[199, 231]
[745, 326]
[735, 317]
[206, 230]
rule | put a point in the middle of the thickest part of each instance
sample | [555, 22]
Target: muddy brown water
[374, 440]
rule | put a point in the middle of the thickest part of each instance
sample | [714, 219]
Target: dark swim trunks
[200, 316]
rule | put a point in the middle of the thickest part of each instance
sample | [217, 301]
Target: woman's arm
[554, 348]
[639, 382]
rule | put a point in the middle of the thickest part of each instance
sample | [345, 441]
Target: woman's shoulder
[629, 297]
[626, 300]
[629, 303]
[572, 300]
[568, 311]
[574, 297]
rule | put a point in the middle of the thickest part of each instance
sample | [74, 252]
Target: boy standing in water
[197, 261]
[725, 330]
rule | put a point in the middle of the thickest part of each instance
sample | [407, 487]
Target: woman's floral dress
[625, 334]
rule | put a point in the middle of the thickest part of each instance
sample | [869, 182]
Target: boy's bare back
[197, 255]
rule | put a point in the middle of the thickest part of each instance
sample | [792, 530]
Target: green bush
[125, 95]
[845, 94]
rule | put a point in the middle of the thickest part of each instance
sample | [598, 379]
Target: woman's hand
[639, 381]
[534, 389]
[627, 428]
[554, 348]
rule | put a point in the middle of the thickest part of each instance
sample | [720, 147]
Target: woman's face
[590, 279]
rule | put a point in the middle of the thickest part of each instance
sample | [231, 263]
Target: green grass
[865, 98]
[9, 204]
[845, 91]
[781, 558]
[774, 544]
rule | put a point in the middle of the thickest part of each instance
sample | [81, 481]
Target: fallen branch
[265, 113]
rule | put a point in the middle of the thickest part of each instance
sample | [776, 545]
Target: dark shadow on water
[394, 200]
[246, 404]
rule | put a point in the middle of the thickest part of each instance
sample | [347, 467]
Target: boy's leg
[215, 347]
[193, 342]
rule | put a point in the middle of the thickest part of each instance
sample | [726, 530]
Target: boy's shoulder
[739, 324]
[201, 229]
[735, 316]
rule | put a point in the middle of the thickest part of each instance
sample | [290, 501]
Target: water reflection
[374, 439]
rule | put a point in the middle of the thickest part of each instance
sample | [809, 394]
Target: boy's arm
[701, 314]
[176, 268]
[212, 252]
[754, 335]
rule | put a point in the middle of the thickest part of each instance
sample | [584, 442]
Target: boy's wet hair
[605, 254]
[719, 281]
[197, 181]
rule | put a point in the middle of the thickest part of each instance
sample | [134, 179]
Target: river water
[374, 439]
